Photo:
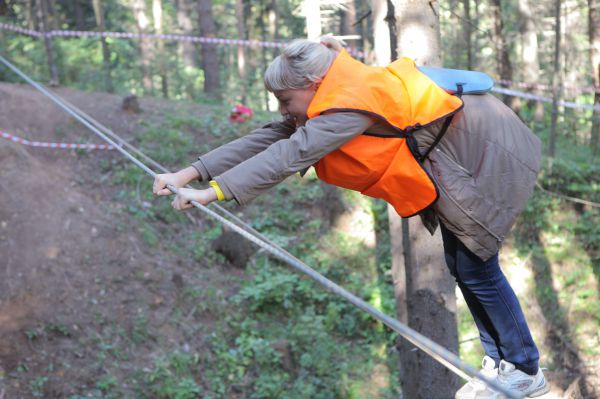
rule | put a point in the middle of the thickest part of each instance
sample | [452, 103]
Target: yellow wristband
[215, 185]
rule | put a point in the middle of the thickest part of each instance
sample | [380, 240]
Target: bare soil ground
[70, 267]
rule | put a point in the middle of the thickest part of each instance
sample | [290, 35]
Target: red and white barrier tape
[67, 146]
[529, 96]
[214, 40]
[132, 35]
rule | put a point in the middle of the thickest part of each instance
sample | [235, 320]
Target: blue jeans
[502, 327]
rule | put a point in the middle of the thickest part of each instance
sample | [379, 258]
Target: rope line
[567, 197]
[436, 351]
[529, 96]
[540, 86]
[160, 167]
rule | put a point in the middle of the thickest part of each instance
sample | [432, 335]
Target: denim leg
[495, 308]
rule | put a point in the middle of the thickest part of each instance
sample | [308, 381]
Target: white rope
[529, 96]
[568, 198]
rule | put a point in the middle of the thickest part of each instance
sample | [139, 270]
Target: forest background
[277, 334]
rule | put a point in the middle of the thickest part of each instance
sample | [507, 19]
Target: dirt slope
[71, 271]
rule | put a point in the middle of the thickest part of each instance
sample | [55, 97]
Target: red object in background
[240, 114]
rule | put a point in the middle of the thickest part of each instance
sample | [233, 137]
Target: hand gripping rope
[436, 351]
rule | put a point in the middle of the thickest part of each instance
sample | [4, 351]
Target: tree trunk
[272, 27]
[187, 50]
[53, 21]
[381, 33]
[79, 17]
[142, 22]
[99, 13]
[30, 15]
[3, 8]
[186, 27]
[390, 19]
[210, 57]
[502, 54]
[361, 24]
[556, 81]
[43, 19]
[160, 56]
[418, 32]
[425, 300]
[263, 21]
[241, 54]
[273, 21]
[347, 20]
[476, 20]
[531, 64]
[454, 47]
[468, 33]
[424, 289]
[594, 34]
[312, 11]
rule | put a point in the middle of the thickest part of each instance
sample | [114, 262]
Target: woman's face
[293, 103]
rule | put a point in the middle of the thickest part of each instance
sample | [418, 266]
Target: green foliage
[588, 232]
[37, 386]
[32, 334]
[579, 180]
[58, 328]
[166, 145]
[106, 383]
[81, 64]
[140, 331]
[173, 377]
[325, 337]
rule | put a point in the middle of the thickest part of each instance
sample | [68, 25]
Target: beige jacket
[484, 168]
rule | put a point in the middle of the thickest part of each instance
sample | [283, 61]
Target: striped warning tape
[67, 146]
[236, 42]
[239, 42]
[132, 35]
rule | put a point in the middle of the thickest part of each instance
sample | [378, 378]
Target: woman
[468, 164]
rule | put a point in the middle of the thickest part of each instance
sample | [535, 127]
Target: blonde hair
[302, 63]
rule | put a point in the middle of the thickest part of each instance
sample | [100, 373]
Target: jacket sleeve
[306, 146]
[228, 155]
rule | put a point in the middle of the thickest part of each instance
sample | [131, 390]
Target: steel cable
[436, 351]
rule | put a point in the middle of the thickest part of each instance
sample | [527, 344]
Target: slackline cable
[436, 351]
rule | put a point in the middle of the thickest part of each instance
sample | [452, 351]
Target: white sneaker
[470, 389]
[517, 382]
[520, 383]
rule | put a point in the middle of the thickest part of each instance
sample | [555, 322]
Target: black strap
[459, 91]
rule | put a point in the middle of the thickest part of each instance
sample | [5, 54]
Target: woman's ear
[316, 86]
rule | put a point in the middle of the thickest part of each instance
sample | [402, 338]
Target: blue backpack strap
[472, 82]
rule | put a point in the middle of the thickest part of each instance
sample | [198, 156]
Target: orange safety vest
[382, 167]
